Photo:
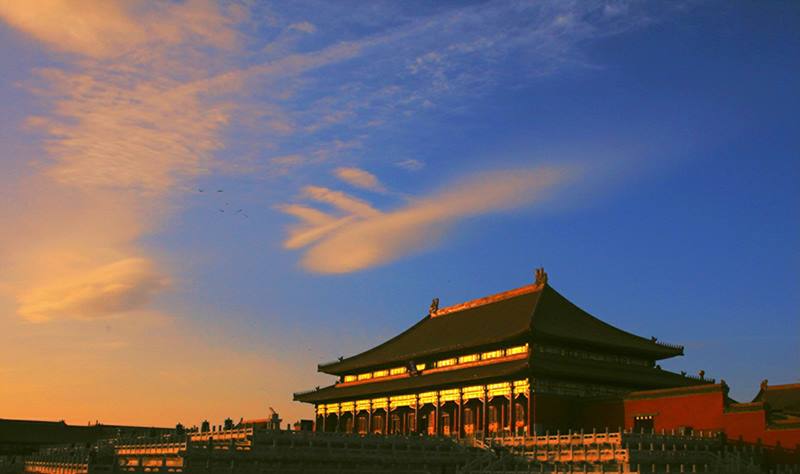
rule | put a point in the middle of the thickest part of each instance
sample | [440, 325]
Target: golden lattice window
[492, 354]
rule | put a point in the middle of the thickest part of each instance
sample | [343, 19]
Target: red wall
[705, 410]
[700, 411]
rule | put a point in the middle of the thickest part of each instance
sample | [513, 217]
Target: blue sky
[382, 154]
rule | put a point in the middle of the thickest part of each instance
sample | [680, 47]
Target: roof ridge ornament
[541, 276]
[434, 308]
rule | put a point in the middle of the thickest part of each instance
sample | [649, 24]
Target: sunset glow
[203, 200]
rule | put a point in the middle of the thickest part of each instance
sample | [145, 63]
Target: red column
[416, 414]
[484, 425]
[529, 427]
[502, 423]
[459, 416]
[512, 415]
[436, 423]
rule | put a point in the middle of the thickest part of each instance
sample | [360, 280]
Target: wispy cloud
[145, 97]
[356, 240]
[114, 28]
[360, 179]
[109, 289]
[342, 201]
[128, 121]
[304, 26]
[410, 164]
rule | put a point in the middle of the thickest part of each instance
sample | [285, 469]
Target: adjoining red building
[772, 418]
[527, 361]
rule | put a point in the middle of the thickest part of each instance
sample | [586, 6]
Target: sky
[200, 201]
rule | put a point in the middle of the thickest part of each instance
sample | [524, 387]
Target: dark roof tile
[527, 313]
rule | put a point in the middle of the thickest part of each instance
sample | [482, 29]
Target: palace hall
[518, 362]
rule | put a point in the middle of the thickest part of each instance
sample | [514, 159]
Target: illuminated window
[498, 389]
[402, 401]
[380, 373]
[517, 350]
[349, 378]
[427, 397]
[420, 366]
[448, 395]
[366, 376]
[467, 358]
[520, 386]
[362, 405]
[492, 355]
[643, 423]
[475, 391]
[446, 362]
[398, 371]
[380, 402]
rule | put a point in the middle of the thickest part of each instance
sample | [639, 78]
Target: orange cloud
[109, 289]
[129, 120]
[112, 28]
[73, 253]
[341, 201]
[360, 178]
[133, 116]
[365, 240]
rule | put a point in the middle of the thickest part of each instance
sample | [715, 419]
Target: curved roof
[558, 318]
[483, 325]
[528, 313]
[783, 398]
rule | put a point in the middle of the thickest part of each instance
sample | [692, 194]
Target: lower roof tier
[468, 376]
[540, 365]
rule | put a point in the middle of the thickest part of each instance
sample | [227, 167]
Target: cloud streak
[128, 121]
[114, 28]
[357, 241]
[360, 179]
[106, 290]
[142, 100]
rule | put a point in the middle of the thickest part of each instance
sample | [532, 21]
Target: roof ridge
[683, 390]
[474, 303]
[784, 386]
